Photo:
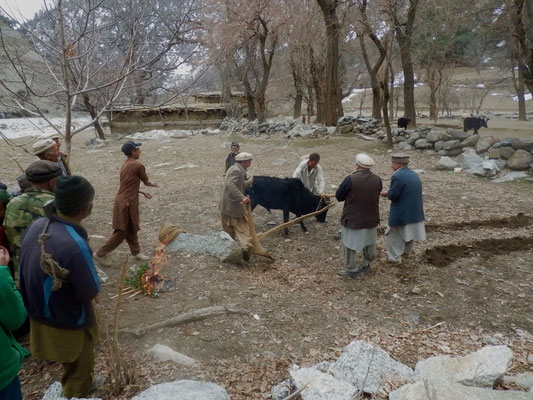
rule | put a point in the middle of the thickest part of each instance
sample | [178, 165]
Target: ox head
[321, 204]
[484, 121]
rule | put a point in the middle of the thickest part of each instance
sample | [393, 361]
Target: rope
[50, 266]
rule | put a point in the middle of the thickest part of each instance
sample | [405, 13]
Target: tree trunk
[385, 87]
[297, 113]
[92, 112]
[310, 102]
[298, 86]
[252, 115]
[521, 97]
[332, 94]
[391, 91]
[403, 33]
[261, 107]
[374, 83]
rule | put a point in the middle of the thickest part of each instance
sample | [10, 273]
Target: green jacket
[20, 213]
[12, 316]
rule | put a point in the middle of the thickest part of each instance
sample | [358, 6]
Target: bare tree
[90, 50]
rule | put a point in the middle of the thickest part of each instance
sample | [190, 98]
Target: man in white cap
[63, 158]
[360, 217]
[406, 217]
[46, 149]
[233, 202]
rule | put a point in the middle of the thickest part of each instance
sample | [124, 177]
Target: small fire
[151, 280]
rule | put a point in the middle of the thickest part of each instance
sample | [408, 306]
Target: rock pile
[365, 368]
[292, 128]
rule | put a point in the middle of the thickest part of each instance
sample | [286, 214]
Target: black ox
[403, 122]
[287, 194]
[474, 123]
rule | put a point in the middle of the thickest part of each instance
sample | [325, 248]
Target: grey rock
[218, 244]
[323, 366]
[452, 391]
[363, 363]
[470, 141]
[493, 152]
[413, 138]
[321, 386]
[480, 369]
[320, 131]
[469, 159]
[458, 135]
[506, 152]
[345, 129]
[523, 145]
[439, 145]
[184, 390]
[164, 353]
[451, 144]
[509, 142]
[55, 392]
[520, 160]
[95, 143]
[523, 380]
[450, 153]
[423, 144]
[404, 146]
[511, 176]
[430, 152]
[446, 163]
[488, 168]
[282, 390]
[484, 143]
[501, 163]
[436, 136]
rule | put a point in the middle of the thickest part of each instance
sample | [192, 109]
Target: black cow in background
[403, 122]
[474, 123]
[287, 194]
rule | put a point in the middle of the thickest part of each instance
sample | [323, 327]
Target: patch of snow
[527, 96]
[480, 85]
[23, 127]
[501, 44]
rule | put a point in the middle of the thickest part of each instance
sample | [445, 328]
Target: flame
[151, 278]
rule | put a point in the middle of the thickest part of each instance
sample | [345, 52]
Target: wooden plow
[260, 250]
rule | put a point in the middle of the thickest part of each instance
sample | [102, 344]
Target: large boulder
[55, 392]
[439, 145]
[488, 169]
[320, 385]
[484, 143]
[219, 244]
[509, 142]
[453, 391]
[446, 163]
[470, 141]
[184, 390]
[343, 129]
[451, 144]
[469, 159]
[520, 160]
[523, 145]
[506, 152]
[511, 176]
[423, 144]
[493, 152]
[413, 138]
[480, 369]
[450, 153]
[457, 135]
[368, 367]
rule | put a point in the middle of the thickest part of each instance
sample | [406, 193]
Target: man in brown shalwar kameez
[126, 206]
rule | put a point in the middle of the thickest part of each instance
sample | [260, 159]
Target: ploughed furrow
[516, 221]
[441, 256]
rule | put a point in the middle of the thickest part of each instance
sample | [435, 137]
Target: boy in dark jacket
[58, 289]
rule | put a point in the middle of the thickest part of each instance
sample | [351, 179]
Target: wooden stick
[431, 327]
[292, 222]
[119, 300]
[293, 395]
[149, 223]
[257, 248]
[135, 294]
[125, 291]
[196, 315]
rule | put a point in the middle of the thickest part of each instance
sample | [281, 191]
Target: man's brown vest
[361, 207]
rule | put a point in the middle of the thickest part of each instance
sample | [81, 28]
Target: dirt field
[475, 271]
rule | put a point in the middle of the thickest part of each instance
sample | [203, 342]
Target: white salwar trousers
[400, 239]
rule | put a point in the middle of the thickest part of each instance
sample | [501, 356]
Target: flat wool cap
[40, 146]
[42, 170]
[50, 135]
[400, 158]
[244, 156]
[364, 161]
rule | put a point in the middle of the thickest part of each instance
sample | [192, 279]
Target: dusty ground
[475, 271]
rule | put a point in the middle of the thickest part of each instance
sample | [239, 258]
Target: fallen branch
[293, 395]
[192, 316]
[292, 222]
[431, 327]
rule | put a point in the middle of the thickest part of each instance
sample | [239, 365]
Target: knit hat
[40, 146]
[235, 144]
[72, 193]
[364, 161]
[129, 146]
[400, 158]
[244, 156]
[42, 170]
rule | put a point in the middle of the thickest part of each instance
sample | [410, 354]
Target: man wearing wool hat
[233, 203]
[406, 217]
[230, 159]
[59, 285]
[46, 149]
[360, 216]
[26, 208]
[63, 158]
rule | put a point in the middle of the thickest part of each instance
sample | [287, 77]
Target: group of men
[360, 193]
[45, 250]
